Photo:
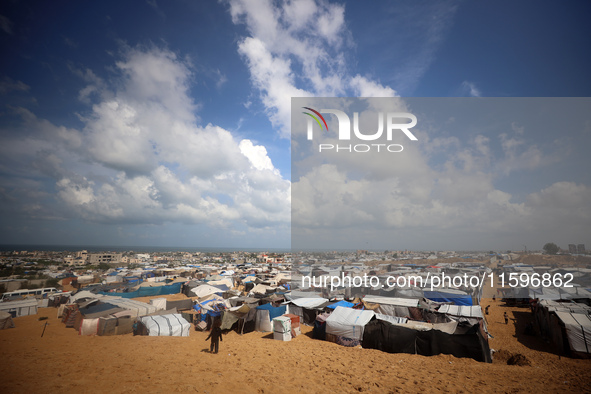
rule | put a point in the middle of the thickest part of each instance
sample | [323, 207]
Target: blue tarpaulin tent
[148, 291]
[273, 311]
[342, 303]
[442, 296]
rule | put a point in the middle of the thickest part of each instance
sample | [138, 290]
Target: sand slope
[63, 361]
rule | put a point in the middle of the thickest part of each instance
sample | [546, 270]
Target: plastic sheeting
[158, 303]
[205, 290]
[343, 303]
[406, 302]
[578, 330]
[310, 303]
[347, 322]
[463, 311]
[391, 338]
[455, 297]
[148, 291]
[173, 325]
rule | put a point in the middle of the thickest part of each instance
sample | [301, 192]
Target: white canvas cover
[83, 294]
[205, 290]
[89, 327]
[261, 289]
[309, 303]
[391, 319]
[158, 303]
[225, 281]
[578, 330]
[21, 307]
[263, 321]
[136, 308]
[348, 322]
[461, 310]
[173, 325]
[407, 302]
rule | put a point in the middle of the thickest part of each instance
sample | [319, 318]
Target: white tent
[205, 290]
[20, 308]
[159, 303]
[309, 303]
[578, 330]
[173, 325]
[133, 308]
[461, 310]
[347, 322]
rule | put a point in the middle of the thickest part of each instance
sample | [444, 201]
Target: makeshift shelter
[453, 296]
[205, 290]
[347, 325]
[6, 320]
[577, 328]
[146, 291]
[343, 303]
[387, 337]
[392, 306]
[158, 303]
[172, 325]
[233, 315]
[265, 314]
[20, 308]
[307, 308]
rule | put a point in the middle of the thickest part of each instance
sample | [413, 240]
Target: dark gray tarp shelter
[180, 304]
[382, 335]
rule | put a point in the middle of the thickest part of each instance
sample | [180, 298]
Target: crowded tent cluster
[561, 311]
[417, 318]
[271, 300]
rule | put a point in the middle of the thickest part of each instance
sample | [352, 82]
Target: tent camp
[173, 325]
[347, 323]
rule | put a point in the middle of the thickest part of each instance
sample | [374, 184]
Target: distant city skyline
[168, 123]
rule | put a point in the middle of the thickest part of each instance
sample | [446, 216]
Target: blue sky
[168, 123]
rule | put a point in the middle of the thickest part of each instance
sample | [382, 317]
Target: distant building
[572, 248]
[581, 248]
[109, 258]
[83, 254]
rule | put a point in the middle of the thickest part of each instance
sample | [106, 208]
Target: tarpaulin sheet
[441, 296]
[578, 330]
[391, 338]
[347, 322]
[343, 303]
[148, 291]
[273, 311]
[167, 325]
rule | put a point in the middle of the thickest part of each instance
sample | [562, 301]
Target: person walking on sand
[216, 337]
[506, 318]
[486, 309]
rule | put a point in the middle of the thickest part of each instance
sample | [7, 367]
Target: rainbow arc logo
[315, 118]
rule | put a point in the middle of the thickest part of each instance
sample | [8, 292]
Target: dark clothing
[506, 318]
[216, 337]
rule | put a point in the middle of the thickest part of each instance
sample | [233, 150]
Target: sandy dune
[63, 361]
